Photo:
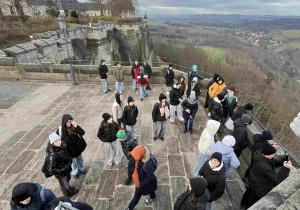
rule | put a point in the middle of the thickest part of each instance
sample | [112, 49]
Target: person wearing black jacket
[241, 134]
[183, 86]
[148, 71]
[214, 172]
[107, 133]
[72, 135]
[169, 77]
[229, 104]
[59, 164]
[160, 114]
[217, 108]
[212, 81]
[192, 74]
[190, 108]
[263, 177]
[135, 70]
[130, 113]
[175, 103]
[103, 72]
[67, 202]
[195, 197]
[194, 86]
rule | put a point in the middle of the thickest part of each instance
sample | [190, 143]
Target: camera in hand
[286, 158]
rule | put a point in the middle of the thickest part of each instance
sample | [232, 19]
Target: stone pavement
[37, 109]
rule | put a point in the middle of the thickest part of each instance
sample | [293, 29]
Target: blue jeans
[134, 84]
[209, 206]
[105, 85]
[119, 87]
[137, 196]
[186, 123]
[77, 164]
[120, 121]
[202, 159]
[143, 90]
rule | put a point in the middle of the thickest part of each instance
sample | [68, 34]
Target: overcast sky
[243, 7]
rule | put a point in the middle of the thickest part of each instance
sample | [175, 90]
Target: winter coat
[215, 89]
[117, 111]
[262, 176]
[156, 115]
[147, 178]
[140, 75]
[197, 90]
[207, 139]
[169, 77]
[148, 70]
[130, 115]
[198, 204]
[110, 134]
[192, 106]
[59, 161]
[239, 113]
[229, 108]
[216, 109]
[240, 134]
[216, 179]
[128, 144]
[33, 189]
[134, 71]
[228, 157]
[102, 71]
[193, 74]
[78, 205]
[175, 95]
[76, 143]
[183, 86]
[119, 74]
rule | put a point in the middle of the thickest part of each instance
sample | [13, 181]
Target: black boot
[128, 181]
[185, 130]
[191, 131]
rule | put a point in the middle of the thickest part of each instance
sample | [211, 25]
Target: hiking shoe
[146, 95]
[74, 192]
[76, 176]
[173, 122]
[162, 138]
[149, 200]
[109, 90]
[142, 99]
[182, 121]
[154, 138]
[191, 132]
[82, 172]
[128, 181]
[185, 130]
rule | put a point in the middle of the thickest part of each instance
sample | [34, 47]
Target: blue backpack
[153, 162]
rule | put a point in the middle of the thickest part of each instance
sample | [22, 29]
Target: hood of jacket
[22, 190]
[129, 135]
[204, 197]
[257, 156]
[162, 96]
[195, 79]
[198, 185]
[238, 123]
[179, 77]
[220, 170]
[141, 153]
[212, 127]
[242, 109]
[65, 119]
[222, 148]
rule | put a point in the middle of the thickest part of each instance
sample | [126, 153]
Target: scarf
[229, 102]
[164, 110]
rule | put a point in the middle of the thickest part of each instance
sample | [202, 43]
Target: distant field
[285, 46]
[291, 33]
[215, 54]
[156, 22]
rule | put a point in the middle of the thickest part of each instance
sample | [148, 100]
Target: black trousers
[64, 183]
[148, 86]
[238, 152]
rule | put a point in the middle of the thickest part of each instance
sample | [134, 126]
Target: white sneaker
[167, 93]
[208, 114]
[149, 200]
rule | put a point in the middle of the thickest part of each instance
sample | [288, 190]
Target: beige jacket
[117, 111]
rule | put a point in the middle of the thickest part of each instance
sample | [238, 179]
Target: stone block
[101, 204]
[86, 195]
[163, 200]
[160, 147]
[106, 184]
[5, 164]
[162, 172]
[235, 193]
[14, 139]
[122, 197]
[16, 150]
[92, 177]
[176, 165]
[173, 145]
[7, 61]
[178, 186]
[31, 135]
[18, 53]
[21, 162]
[31, 51]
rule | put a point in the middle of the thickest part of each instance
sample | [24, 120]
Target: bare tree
[20, 12]
[135, 4]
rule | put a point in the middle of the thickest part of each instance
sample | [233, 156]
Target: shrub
[74, 14]
[13, 18]
[129, 20]
[52, 12]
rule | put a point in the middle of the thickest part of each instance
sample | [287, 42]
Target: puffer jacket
[228, 109]
[139, 76]
[196, 88]
[78, 205]
[240, 134]
[134, 71]
[216, 109]
[128, 144]
[207, 137]
[169, 76]
[130, 115]
[228, 157]
[117, 111]
[215, 89]
[119, 74]
[110, 134]
[148, 70]
[102, 71]
[156, 114]
[175, 95]
[199, 204]
[192, 106]
[59, 161]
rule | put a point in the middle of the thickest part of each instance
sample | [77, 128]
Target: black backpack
[45, 166]
[142, 80]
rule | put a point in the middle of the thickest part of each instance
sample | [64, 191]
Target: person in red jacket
[142, 80]
[134, 72]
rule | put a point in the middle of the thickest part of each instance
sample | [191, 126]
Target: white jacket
[207, 137]
[117, 111]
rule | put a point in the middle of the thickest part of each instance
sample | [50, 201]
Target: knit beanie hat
[268, 150]
[266, 135]
[221, 96]
[232, 88]
[54, 137]
[194, 66]
[171, 65]
[146, 62]
[121, 133]
[246, 118]
[192, 96]
[130, 99]
[106, 117]
[221, 78]
[102, 60]
[229, 141]
[162, 96]
[249, 106]
[198, 185]
[217, 156]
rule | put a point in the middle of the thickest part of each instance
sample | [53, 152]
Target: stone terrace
[30, 111]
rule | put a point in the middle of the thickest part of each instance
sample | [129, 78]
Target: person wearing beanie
[134, 72]
[226, 149]
[72, 134]
[169, 77]
[214, 171]
[262, 177]
[175, 103]
[117, 111]
[214, 90]
[148, 71]
[195, 197]
[141, 169]
[190, 108]
[58, 163]
[229, 104]
[107, 133]
[160, 116]
[183, 86]
[249, 107]
[231, 88]
[192, 74]
[103, 72]
[130, 114]
[216, 108]
[206, 141]
[194, 86]
[240, 134]
[53, 205]
[28, 196]
[211, 81]
[142, 80]
[119, 74]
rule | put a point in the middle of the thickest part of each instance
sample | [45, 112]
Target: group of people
[216, 162]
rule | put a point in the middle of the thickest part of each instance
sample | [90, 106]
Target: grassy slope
[214, 54]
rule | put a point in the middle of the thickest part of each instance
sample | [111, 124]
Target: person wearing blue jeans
[134, 84]
[143, 91]
[119, 74]
[119, 87]
[190, 108]
[103, 72]
[77, 164]
[142, 79]
[105, 85]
